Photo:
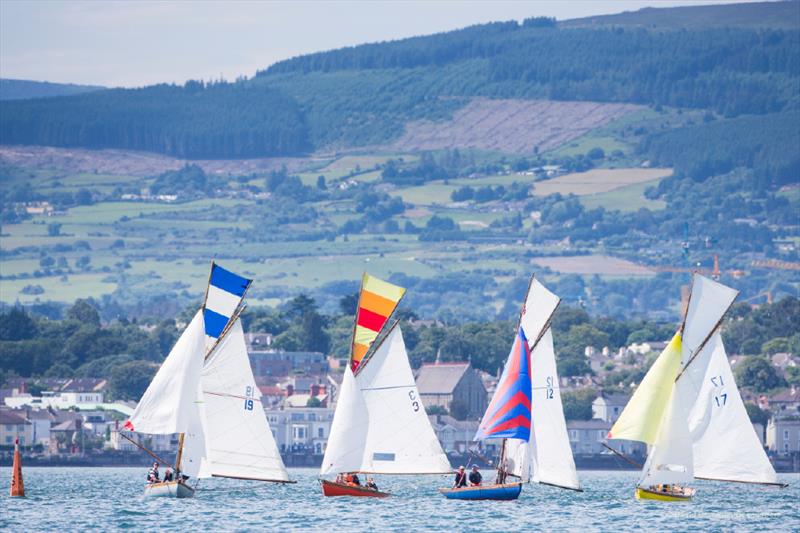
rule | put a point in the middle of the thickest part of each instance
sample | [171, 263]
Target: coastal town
[77, 422]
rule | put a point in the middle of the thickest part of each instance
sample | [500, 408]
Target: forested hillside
[23, 89]
[365, 95]
[194, 121]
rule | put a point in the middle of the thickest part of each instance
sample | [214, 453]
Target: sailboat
[380, 425]
[526, 410]
[205, 392]
[689, 410]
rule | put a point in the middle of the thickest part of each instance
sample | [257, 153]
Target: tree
[84, 312]
[578, 404]
[758, 373]
[321, 185]
[128, 381]
[313, 402]
[756, 414]
[54, 229]
[82, 262]
[348, 304]
[459, 410]
[17, 325]
[436, 410]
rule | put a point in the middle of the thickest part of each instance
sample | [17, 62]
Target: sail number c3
[414, 402]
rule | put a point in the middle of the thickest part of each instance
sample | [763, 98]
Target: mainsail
[726, 446]
[169, 405]
[551, 454]
[380, 425]
[376, 302]
[238, 439]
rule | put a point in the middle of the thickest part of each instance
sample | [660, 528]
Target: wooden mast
[178, 457]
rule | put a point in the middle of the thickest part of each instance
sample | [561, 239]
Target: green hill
[24, 89]
[365, 95]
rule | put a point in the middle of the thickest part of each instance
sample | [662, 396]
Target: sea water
[72, 499]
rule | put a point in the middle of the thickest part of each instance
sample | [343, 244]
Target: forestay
[239, 442]
[169, 403]
[380, 425]
[551, 454]
[726, 446]
[670, 459]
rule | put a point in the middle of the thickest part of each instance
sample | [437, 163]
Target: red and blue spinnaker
[509, 413]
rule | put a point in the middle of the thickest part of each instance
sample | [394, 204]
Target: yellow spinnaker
[642, 416]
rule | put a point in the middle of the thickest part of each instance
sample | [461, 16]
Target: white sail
[670, 459]
[708, 303]
[551, 458]
[193, 458]
[169, 403]
[517, 459]
[400, 439]
[726, 446]
[540, 304]
[238, 439]
[380, 425]
[348, 436]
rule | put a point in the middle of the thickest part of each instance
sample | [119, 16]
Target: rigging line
[388, 388]
[228, 395]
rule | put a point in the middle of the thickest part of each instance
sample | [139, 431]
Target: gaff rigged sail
[376, 302]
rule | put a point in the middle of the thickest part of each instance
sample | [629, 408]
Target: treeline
[732, 71]
[196, 120]
[79, 346]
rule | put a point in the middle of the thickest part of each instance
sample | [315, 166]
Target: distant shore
[593, 462]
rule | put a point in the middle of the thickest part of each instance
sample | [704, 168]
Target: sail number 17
[720, 399]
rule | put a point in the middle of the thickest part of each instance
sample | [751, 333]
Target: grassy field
[599, 180]
[582, 145]
[593, 264]
[629, 198]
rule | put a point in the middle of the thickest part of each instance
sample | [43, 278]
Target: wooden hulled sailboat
[380, 425]
[526, 410]
[689, 410]
[205, 392]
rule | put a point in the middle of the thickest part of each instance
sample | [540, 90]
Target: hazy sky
[133, 43]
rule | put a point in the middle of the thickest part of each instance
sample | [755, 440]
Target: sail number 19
[248, 400]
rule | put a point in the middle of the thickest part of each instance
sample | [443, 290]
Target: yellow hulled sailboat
[689, 411]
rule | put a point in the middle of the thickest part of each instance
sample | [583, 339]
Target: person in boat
[340, 478]
[352, 479]
[475, 477]
[152, 475]
[168, 475]
[461, 478]
[371, 484]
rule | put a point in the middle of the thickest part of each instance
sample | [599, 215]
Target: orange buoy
[17, 486]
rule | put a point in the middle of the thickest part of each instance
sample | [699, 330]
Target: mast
[178, 457]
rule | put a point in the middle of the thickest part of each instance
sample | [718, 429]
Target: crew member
[461, 478]
[475, 477]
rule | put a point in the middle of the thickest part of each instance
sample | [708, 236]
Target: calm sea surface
[71, 499]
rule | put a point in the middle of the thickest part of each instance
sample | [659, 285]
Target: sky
[136, 43]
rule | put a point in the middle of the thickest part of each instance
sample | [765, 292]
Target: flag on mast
[377, 301]
[224, 296]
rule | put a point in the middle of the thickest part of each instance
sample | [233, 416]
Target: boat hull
[649, 494]
[331, 488]
[508, 491]
[168, 489]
